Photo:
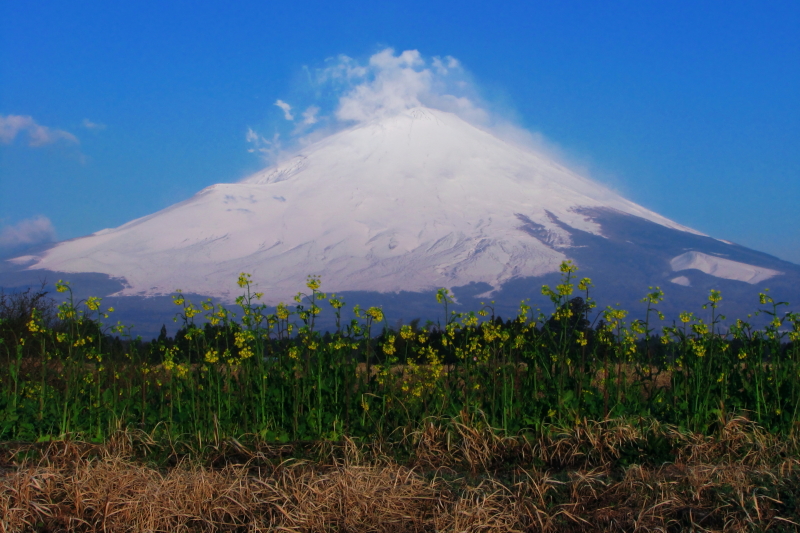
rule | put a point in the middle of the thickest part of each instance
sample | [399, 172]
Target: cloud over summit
[345, 90]
[390, 83]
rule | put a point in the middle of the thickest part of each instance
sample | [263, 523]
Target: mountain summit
[412, 202]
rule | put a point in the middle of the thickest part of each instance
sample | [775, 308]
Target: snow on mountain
[412, 202]
[721, 268]
[683, 281]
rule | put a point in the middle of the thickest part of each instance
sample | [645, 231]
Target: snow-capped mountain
[413, 202]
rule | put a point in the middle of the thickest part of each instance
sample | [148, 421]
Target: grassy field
[276, 377]
[577, 419]
[456, 475]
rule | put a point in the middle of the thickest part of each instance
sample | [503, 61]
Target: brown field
[460, 476]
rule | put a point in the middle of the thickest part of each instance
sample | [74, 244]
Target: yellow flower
[212, 356]
[62, 286]
[563, 313]
[282, 311]
[654, 297]
[93, 303]
[470, 320]
[582, 340]
[406, 332]
[388, 346]
[244, 280]
[443, 295]
[313, 282]
[699, 349]
[182, 370]
[376, 313]
[568, 267]
[564, 289]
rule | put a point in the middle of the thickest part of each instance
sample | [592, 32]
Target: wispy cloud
[268, 149]
[391, 82]
[310, 115]
[89, 125]
[27, 232]
[12, 126]
[345, 90]
[287, 109]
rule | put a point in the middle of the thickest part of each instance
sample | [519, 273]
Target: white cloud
[341, 69]
[391, 82]
[345, 90]
[310, 115]
[268, 149]
[396, 83]
[89, 125]
[13, 125]
[442, 65]
[287, 109]
[27, 232]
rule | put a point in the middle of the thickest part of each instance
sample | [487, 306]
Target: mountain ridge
[388, 211]
[412, 202]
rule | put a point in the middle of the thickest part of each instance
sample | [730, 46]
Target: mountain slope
[412, 202]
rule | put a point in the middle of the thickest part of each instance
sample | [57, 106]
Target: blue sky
[111, 111]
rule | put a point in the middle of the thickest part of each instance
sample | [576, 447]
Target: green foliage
[276, 376]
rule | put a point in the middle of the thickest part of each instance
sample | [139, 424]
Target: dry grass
[462, 476]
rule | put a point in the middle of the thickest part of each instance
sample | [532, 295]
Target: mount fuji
[402, 205]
